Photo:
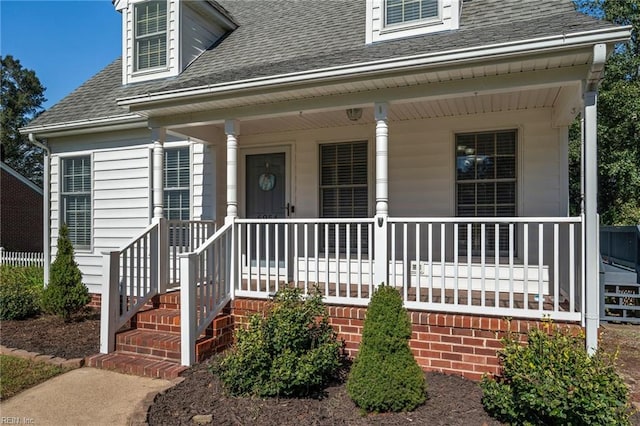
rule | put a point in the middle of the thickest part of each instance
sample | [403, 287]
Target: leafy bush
[291, 351]
[66, 294]
[553, 381]
[20, 291]
[385, 376]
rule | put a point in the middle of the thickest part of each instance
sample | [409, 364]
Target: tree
[66, 294]
[618, 121]
[21, 97]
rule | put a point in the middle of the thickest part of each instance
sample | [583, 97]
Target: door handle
[290, 209]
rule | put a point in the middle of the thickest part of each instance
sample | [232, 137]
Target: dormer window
[406, 11]
[395, 19]
[151, 35]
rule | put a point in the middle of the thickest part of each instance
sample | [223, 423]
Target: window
[402, 11]
[151, 35]
[76, 199]
[344, 188]
[176, 183]
[486, 182]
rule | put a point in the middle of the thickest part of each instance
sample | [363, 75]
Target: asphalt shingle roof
[284, 36]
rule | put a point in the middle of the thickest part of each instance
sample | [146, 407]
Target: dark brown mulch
[50, 335]
[452, 401]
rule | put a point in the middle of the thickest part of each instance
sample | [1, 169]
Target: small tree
[66, 294]
[385, 375]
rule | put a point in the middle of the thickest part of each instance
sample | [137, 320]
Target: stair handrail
[206, 277]
[123, 295]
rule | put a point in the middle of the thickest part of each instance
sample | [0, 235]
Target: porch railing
[132, 278]
[205, 287]
[185, 236]
[521, 267]
[333, 255]
[524, 267]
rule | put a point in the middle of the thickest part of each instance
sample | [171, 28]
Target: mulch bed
[50, 335]
[452, 401]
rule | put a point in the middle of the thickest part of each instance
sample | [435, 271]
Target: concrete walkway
[85, 396]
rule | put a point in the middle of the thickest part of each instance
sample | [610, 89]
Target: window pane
[177, 183]
[151, 34]
[76, 199]
[486, 182]
[429, 9]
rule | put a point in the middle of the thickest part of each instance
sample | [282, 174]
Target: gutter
[109, 123]
[495, 51]
[46, 246]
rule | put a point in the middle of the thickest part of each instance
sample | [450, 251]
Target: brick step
[164, 345]
[136, 364]
[169, 300]
[162, 319]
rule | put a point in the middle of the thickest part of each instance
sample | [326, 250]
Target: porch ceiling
[451, 89]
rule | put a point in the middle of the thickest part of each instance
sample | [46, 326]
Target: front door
[266, 198]
[266, 186]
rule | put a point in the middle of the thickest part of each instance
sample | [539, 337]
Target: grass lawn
[18, 374]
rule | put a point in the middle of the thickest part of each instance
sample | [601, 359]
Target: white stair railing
[205, 287]
[132, 276]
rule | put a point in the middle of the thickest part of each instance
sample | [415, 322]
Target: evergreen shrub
[290, 351]
[553, 381]
[385, 376]
[20, 291]
[66, 294]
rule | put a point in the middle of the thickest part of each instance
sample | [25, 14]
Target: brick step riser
[145, 367]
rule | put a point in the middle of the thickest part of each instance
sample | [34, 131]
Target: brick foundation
[457, 344]
[95, 301]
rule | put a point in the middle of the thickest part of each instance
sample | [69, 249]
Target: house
[239, 146]
[21, 212]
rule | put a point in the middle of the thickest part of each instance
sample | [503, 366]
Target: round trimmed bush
[290, 351]
[553, 381]
[20, 291]
[385, 376]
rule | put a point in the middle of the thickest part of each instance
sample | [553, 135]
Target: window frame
[136, 38]
[188, 187]
[412, 23]
[496, 181]
[65, 194]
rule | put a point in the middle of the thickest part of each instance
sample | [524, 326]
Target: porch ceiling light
[354, 114]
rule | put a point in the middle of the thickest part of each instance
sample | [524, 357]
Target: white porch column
[158, 135]
[232, 130]
[382, 194]
[590, 192]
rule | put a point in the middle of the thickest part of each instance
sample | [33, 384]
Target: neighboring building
[421, 143]
[21, 213]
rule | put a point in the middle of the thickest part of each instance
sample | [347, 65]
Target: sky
[64, 42]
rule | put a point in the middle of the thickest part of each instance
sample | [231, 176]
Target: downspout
[46, 246]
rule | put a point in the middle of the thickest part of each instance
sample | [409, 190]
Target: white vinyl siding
[177, 183]
[151, 35]
[403, 11]
[76, 199]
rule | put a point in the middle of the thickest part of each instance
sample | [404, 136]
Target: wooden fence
[15, 258]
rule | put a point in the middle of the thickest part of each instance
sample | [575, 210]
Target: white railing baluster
[418, 263]
[469, 265]
[556, 266]
[430, 260]
[540, 263]
[258, 258]
[296, 271]
[359, 239]
[405, 259]
[316, 252]
[348, 256]
[525, 284]
[572, 268]
[370, 256]
[326, 259]
[511, 252]
[443, 238]
[277, 255]
[337, 258]
[455, 264]
[496, 270]
[306, 258]
[483, 262]
[393, 256]
[267, 254]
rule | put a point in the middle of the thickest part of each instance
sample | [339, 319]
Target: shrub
[553, 381]
[291, 351]
[20, 291]
[385, 376]
[66, 294]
